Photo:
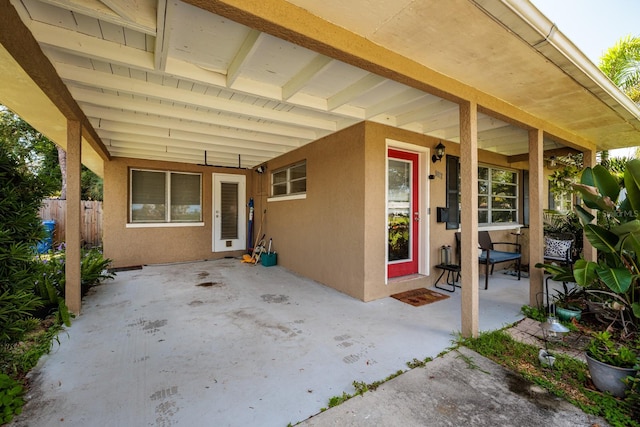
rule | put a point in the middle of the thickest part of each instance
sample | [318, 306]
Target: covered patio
[224, 343]
[230, 87]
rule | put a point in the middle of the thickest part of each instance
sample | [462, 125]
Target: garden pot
[608, 377]
[566, 314]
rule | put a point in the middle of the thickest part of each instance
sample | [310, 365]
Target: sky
[593, 25]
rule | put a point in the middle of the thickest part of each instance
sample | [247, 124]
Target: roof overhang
[245, 81]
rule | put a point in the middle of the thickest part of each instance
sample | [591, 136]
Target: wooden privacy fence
[91, 219]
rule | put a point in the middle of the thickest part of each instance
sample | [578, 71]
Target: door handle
[416, 216]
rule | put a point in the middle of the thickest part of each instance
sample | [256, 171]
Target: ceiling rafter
[364, 85]
[134, 105]
[247, 50]
[143, 19]
[217, 145]
[277, 143]
[143, 88]
[314, 68]
[164, 15]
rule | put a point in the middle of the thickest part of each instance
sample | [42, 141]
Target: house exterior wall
[158, 244]
[336, 235]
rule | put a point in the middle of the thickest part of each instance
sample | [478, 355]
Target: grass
[18, 359]
[567, 379]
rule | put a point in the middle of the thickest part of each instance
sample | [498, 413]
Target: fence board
[91, 220]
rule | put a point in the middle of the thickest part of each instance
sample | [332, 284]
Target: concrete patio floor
[258, 346]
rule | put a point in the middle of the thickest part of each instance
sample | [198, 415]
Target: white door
[229, 212]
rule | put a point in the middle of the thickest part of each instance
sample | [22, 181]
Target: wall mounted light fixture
[261, 169]
[439, 153]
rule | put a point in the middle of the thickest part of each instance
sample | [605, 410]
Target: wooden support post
[469, 218]
[73, 295]
[536, 194]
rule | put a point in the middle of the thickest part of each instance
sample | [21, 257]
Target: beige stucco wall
[336, 235]
[137, 246]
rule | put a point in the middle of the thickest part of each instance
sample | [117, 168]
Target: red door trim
[397, 269]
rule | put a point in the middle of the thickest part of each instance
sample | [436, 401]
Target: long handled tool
[251, 258]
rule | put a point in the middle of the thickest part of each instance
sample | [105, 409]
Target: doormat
[418, 297]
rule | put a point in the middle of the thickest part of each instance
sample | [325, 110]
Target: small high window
[164, 196]
[290, 180]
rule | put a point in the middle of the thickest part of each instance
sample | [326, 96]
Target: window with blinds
[290, 180]
[229, 210]
[163, 196]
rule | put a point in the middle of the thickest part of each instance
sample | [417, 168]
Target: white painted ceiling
[193, 82]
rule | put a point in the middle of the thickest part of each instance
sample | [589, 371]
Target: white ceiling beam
[422, 113]
[122, 149]
[164, 14]
[441, 121]
[91, 47]
[364, 85]
[247, 50]
[220, 145]
[314, 68]
[146, 89]
[115, 53]
[183, 137]
[125, 8]
[187, 71]
[143, 19]
[276, 143]
[207, 117]
[402, 98]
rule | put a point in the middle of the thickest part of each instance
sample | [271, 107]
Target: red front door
[403, 216]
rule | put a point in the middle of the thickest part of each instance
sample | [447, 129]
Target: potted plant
[610, 363]
[612, 282]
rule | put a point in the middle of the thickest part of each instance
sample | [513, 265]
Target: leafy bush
[11, 402]
[20, 230]
[93, 268]
[50, 285]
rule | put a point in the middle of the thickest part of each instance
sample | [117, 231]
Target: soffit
[192, 82]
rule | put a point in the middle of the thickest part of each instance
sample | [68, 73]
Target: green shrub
[11, 402]
[20, 230]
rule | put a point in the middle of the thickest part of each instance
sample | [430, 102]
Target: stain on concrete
[210, 285]
[274, 299]
[149, 327]
[535, 394]
[274, 330]
[345, 344]
[203, 274]
[167, 408]
[352, 358]
[342, 337]
[155, 325]
[195, 303]
[163, 394]
[141, 359]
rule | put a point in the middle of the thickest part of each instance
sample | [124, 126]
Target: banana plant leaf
[627, 227]
[584, 272]
[616, 279]
[636, 309]
[632, 183]
[606, 183]
[584, 216]
[601, 238]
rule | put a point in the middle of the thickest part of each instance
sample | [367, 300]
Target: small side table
[453, 275]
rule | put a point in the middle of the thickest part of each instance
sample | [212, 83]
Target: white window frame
[490, 195]
[167, 219]
[289, 195]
